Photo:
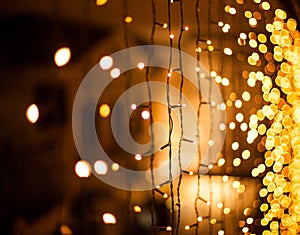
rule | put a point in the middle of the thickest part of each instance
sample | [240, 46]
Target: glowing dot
[101, 2]
[172, 36]
[252, 22]
[222, 127]
[245, 230]
[239, 117]
[104, 110]
[32, 113]
[248, 14]
[236, 184]
[165, 25]
[141, 65]
[220, 205]
[128, 19]
[246, 154]
[83, 169]
[186, 28]
[133, 106]
[138, 157]
[137, 209]
[231, 125]
[211, 143]
[145, 115]
[235, 146]
[115, 166]
[109, 218]
[220, 24]
[221, 162]
[199, 219]
[225, 82]
[238, 104]
[100, 167]
[246, 96]
[232, 11]
[226, 211]
[221, 232]
[236, 162]
[227, 51]
[265, 6]
[115, 73]
[225, 178]
[65, 230]
[106, 62]
[165, 195]
[187, 227]
[243, 36]
[250, 220]
[62, 56]
[244, 126]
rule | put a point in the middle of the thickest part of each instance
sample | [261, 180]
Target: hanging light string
[198, 116]
[182, 29]
[209, 100]
[152, 157]
[170, 120]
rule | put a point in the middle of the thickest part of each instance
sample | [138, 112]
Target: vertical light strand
[170, 120]
[181, 116]
[152, 209]
[128, 79]
[198, 116]
[209, 100]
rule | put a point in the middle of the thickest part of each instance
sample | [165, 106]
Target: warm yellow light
[227, 51]
[235, 146]
[243, 36]
[137, 209]
[109, 218]
[128, 19]
[252, 22]
[187, 227]
[226, 211]
[62, 56]
[221, 162]
[232, 125]
[265, 6]
[100, 167]
[221, 232]
[248, 14]
[115, 73]
[213, 221]
[246, 154]
[235, 184]
[236, 162]
[104, 110]
[239, 117]
[115, 166]
[101, 2]
[232, 11]
[32, 113]
[220, 205]
[83, 169]
[225, 178]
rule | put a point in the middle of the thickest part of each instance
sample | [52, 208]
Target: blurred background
[44, 193]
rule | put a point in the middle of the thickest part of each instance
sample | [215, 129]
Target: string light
[83, 169]
[32, 113]
[109, 218]
[106, 62]
[62, 56]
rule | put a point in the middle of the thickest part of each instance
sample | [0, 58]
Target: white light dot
[211, 143]
[231, 125]
[32, 113]
[109, 218]
[62, 56]
[115, 166]
[141, 65]
[133, 106]
[138, 157]
[106, 62]
[115, 73]
[100, 167]
[145, 115]
[235, 146]
[222, 127]
[83, 169]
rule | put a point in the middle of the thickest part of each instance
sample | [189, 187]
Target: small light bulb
[62, 56]
[115, 166]
[138, 157]
[115, 73]
[186, 28]
[145, 114]
[106, 62]
[141, 65]
[100, 167]
[83, 169]
[32, 113]
[165, 25]
[133, 106]
[172, 36]
[187, 227]
[109, 218]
